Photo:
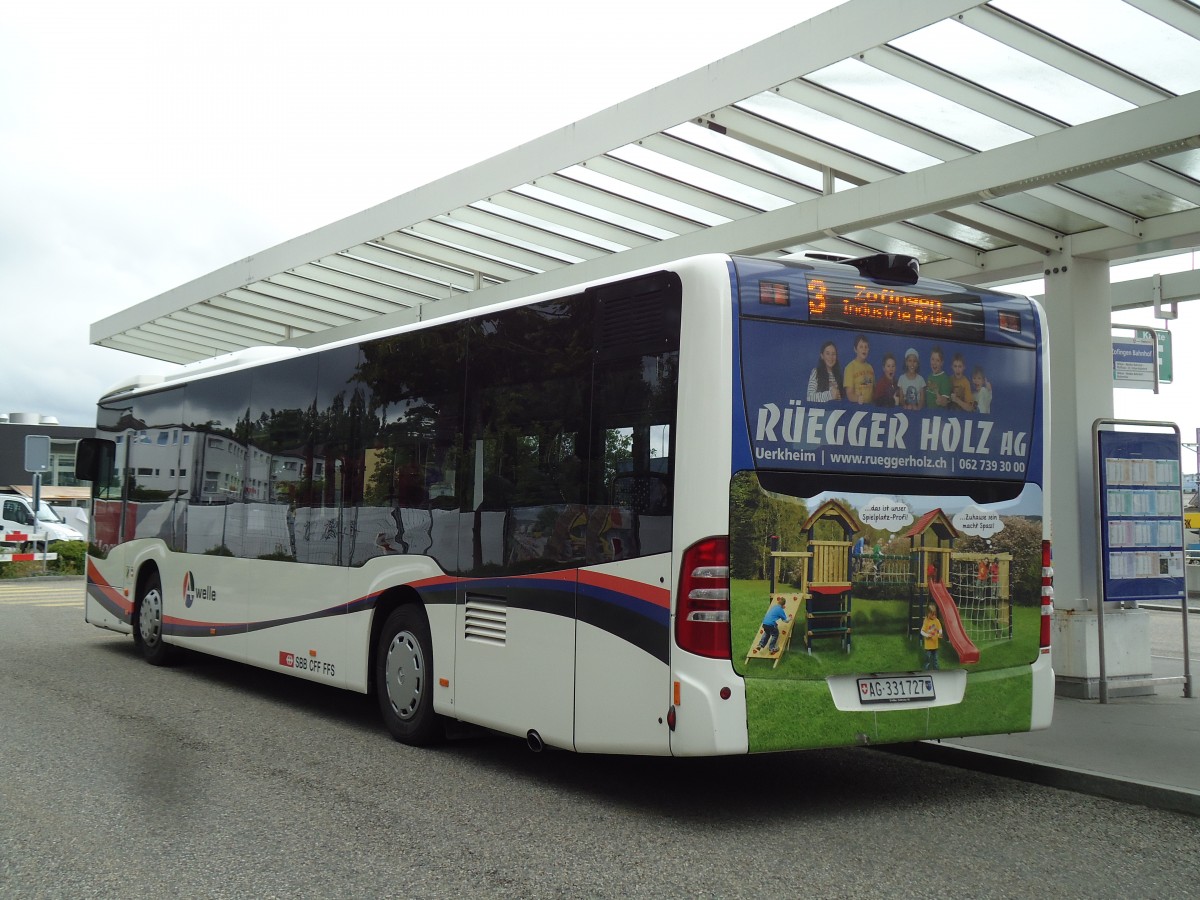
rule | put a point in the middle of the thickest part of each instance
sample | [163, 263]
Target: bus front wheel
[148, 623]
[404, 677]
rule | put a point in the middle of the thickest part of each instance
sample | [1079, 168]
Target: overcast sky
[144, 144]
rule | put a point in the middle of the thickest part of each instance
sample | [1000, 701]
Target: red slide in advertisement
[967, 652]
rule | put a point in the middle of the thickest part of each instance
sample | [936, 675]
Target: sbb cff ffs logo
[191, 593]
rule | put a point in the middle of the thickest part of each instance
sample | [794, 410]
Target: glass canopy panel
[465, 250]
[955, 231]
[703, 179]
[829, 245]
[534, 222]
[881, 243]
[1009, 73]
[1031, 209]
[777, 165]
[837, 132]
[1118, 33]
[1187, 164]
[1128, 194]
[645, 197]
[499, 237]
[923, 108]
[570, 204]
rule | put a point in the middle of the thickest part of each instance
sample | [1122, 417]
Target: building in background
[60, 487]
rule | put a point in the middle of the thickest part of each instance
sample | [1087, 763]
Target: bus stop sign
[1163, 338]
[37, 453]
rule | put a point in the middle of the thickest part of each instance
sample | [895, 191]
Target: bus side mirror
[94, 458]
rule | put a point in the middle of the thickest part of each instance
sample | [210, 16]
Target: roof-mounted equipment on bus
[892, 267]
[136, 383]
[815, 255]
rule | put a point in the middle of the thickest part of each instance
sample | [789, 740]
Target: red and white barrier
[19, 538]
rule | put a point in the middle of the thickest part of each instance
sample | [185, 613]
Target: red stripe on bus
[642, 591]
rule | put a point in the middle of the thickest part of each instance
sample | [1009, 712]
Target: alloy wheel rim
[405, 674]
[150, 618]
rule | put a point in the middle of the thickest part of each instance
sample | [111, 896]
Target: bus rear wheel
[404, 678]
[148, 623]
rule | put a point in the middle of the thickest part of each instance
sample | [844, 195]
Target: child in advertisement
[931, 631]
[937, 386]
[960, 386]
[860, 374]
[983, 390]
[912, 384]
[770, 626]
[887, 392]
[824, 384]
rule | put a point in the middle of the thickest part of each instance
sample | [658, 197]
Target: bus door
[520, 546]
[515, 642]
[514, 659]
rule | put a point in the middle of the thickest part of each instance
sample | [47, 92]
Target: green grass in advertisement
[789, 703]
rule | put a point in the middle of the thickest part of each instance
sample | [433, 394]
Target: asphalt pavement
[1141, 749]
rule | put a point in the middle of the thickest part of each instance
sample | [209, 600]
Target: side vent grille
[639, 316]
[486, 620]
[633, 318]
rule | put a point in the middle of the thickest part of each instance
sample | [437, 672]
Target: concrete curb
[1193, 607]
[1081, 781]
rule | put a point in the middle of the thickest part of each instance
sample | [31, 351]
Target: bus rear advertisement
[721, 506]
[898, 463]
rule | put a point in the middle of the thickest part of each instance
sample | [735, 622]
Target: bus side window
[639, 393]
[412, 433]
[646, 494]
[528, 451]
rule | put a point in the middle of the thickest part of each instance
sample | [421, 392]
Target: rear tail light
[1047, 595]
[702, 609]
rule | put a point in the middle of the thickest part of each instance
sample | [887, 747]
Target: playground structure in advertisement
[971, 590]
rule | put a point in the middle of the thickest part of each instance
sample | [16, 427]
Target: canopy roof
[983, 138]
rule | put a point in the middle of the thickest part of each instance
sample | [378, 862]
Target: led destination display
[857, 302]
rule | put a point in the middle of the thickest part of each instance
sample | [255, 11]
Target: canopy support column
[1078, 306]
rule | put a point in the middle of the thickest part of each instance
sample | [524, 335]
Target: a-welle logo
[191, 593]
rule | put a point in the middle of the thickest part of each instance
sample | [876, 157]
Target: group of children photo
[910, 390]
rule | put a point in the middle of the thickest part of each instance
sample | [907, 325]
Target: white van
[16, 514]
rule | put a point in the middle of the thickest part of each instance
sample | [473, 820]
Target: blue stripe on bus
[638, 621]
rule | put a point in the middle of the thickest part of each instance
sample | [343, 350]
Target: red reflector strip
[1010, 321]
[773, 294]
[1047, 596]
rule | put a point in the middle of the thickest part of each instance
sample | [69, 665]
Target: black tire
[148, 623]
[404, 678]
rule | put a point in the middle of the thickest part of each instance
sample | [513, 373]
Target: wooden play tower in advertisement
[827, 608]
[820, 608]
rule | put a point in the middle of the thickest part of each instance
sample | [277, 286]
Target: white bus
[567, 517]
